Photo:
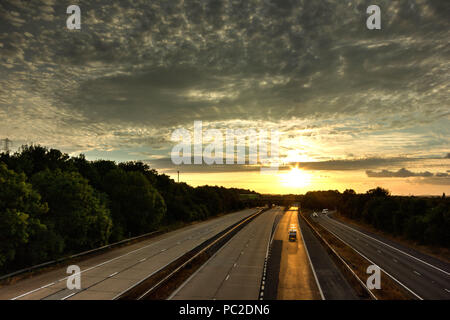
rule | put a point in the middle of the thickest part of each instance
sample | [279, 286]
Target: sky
[355, 108]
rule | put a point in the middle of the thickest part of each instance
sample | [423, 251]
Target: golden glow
[299, 181]
[295, 178]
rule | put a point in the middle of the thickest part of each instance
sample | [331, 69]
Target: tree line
[425, 220]
[52, 205]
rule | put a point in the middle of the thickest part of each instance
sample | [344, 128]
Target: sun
[295, 178]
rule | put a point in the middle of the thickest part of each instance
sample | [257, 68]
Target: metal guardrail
[84, 253]
[340, 259]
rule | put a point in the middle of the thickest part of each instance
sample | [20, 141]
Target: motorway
[296, 280]
[425, 277]
[106, 275]
[235, 271]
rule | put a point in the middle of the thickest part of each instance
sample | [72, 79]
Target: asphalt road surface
[104, 276]
[296, 279]
[424, 276]
[235, 271]
[333, 284]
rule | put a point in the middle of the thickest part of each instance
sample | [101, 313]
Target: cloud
[332, 165]
[138, 69]
[402, 173]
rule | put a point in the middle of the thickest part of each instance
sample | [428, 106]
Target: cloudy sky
[356, 108]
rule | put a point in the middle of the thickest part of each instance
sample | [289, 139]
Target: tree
[136, 205]
[20, 210]
[76, 213]
[34, 158]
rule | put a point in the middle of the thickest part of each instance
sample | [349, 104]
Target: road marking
[395, 260]
[416, 273]
[72, 294]
[112, 275]
[228, 276]
[142, 260]
[234, 265]
[48, 285]
[407, 254]
[379, 251]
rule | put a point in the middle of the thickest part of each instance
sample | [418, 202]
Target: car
[292, 234]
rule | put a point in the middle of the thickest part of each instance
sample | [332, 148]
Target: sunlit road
[424, 276]
[106, 275]
[296, 278]
[236, 270]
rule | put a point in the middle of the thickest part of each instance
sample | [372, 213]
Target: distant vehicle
[325, 211]
[314, 214]
[292, 234]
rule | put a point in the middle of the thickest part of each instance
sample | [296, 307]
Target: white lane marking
[407, 254]
[309, 259]
[395, 260]
[228, 277]
[142, 260]
[415, 294]
[112, 275]
[416, 273]
[72, 294]
[234, 265]
[47, 285]
[32, 291]
[162, 250]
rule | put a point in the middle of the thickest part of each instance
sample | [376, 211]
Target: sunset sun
[295, 178]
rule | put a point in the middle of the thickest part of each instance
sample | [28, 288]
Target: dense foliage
[422, 219]
[52, 205]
